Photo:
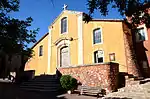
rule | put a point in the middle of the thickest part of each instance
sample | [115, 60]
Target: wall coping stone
[86, 65]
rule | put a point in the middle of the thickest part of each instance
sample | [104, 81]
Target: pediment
[63, 40]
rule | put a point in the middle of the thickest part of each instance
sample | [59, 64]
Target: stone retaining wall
[104, 75]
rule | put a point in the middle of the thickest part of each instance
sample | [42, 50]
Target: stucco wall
[39, 63]
[113, 42]
[56, 35]
[104, 75]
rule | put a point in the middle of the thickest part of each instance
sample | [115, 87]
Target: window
[64, 25]
[41, 50]
[99, 56]
[141, 34]
[97, 37]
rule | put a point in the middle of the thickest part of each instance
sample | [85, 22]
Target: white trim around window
[93, 56]
[40, 51]
[60, 25]
[99, 27]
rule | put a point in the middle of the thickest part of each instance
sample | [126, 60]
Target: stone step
[135, 89]
[126, 94]
[40, 90]
[39, 87]
[131, 89]
[130, 83]
[40, 84]
[42, 87]
[40, 79]
[50, 82]
[44, 76]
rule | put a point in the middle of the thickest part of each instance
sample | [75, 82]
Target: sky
[44, 12]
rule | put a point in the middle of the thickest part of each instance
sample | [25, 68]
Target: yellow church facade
[71, 42]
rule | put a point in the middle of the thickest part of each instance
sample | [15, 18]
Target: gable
[64, 13]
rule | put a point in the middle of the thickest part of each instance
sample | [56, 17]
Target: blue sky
[44, 12]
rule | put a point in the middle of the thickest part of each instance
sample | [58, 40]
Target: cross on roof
[65, 6]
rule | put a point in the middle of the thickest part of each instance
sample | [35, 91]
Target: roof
[39, 40]
[78, 12]
[109, 20]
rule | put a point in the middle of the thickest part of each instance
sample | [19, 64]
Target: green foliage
[9, 5]
[14, 33]
[136, 10]
[68, 82]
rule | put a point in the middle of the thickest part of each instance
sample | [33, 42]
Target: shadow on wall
[121, 80]
[142, 57]
[136, 51]
[58, 74]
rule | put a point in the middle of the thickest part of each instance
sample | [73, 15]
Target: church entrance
[64, 56]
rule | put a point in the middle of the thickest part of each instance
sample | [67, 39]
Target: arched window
[97, 36]
[64, 56]
[99, 56]
[64, 25]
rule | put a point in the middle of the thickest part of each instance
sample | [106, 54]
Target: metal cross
[65, 6]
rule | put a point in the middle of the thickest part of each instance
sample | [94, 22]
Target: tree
[14, 33]
[135, 11]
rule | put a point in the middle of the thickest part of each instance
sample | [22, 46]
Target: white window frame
[145, 30]
[93, 36]
[60, 26]
[94, 56]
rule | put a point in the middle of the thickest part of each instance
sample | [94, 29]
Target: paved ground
[75, 96]
[9, 91]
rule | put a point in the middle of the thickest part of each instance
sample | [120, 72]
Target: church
[85, 50]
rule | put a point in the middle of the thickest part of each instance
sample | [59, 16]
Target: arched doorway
[64, 56]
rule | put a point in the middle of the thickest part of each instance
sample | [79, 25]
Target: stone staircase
[42, 83]
[134, 89]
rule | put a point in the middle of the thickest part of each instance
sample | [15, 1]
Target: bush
[68, 82]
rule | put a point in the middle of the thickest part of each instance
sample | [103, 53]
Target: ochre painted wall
[39, 63]
[56, 34]
[147, 45]
[113, 42]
